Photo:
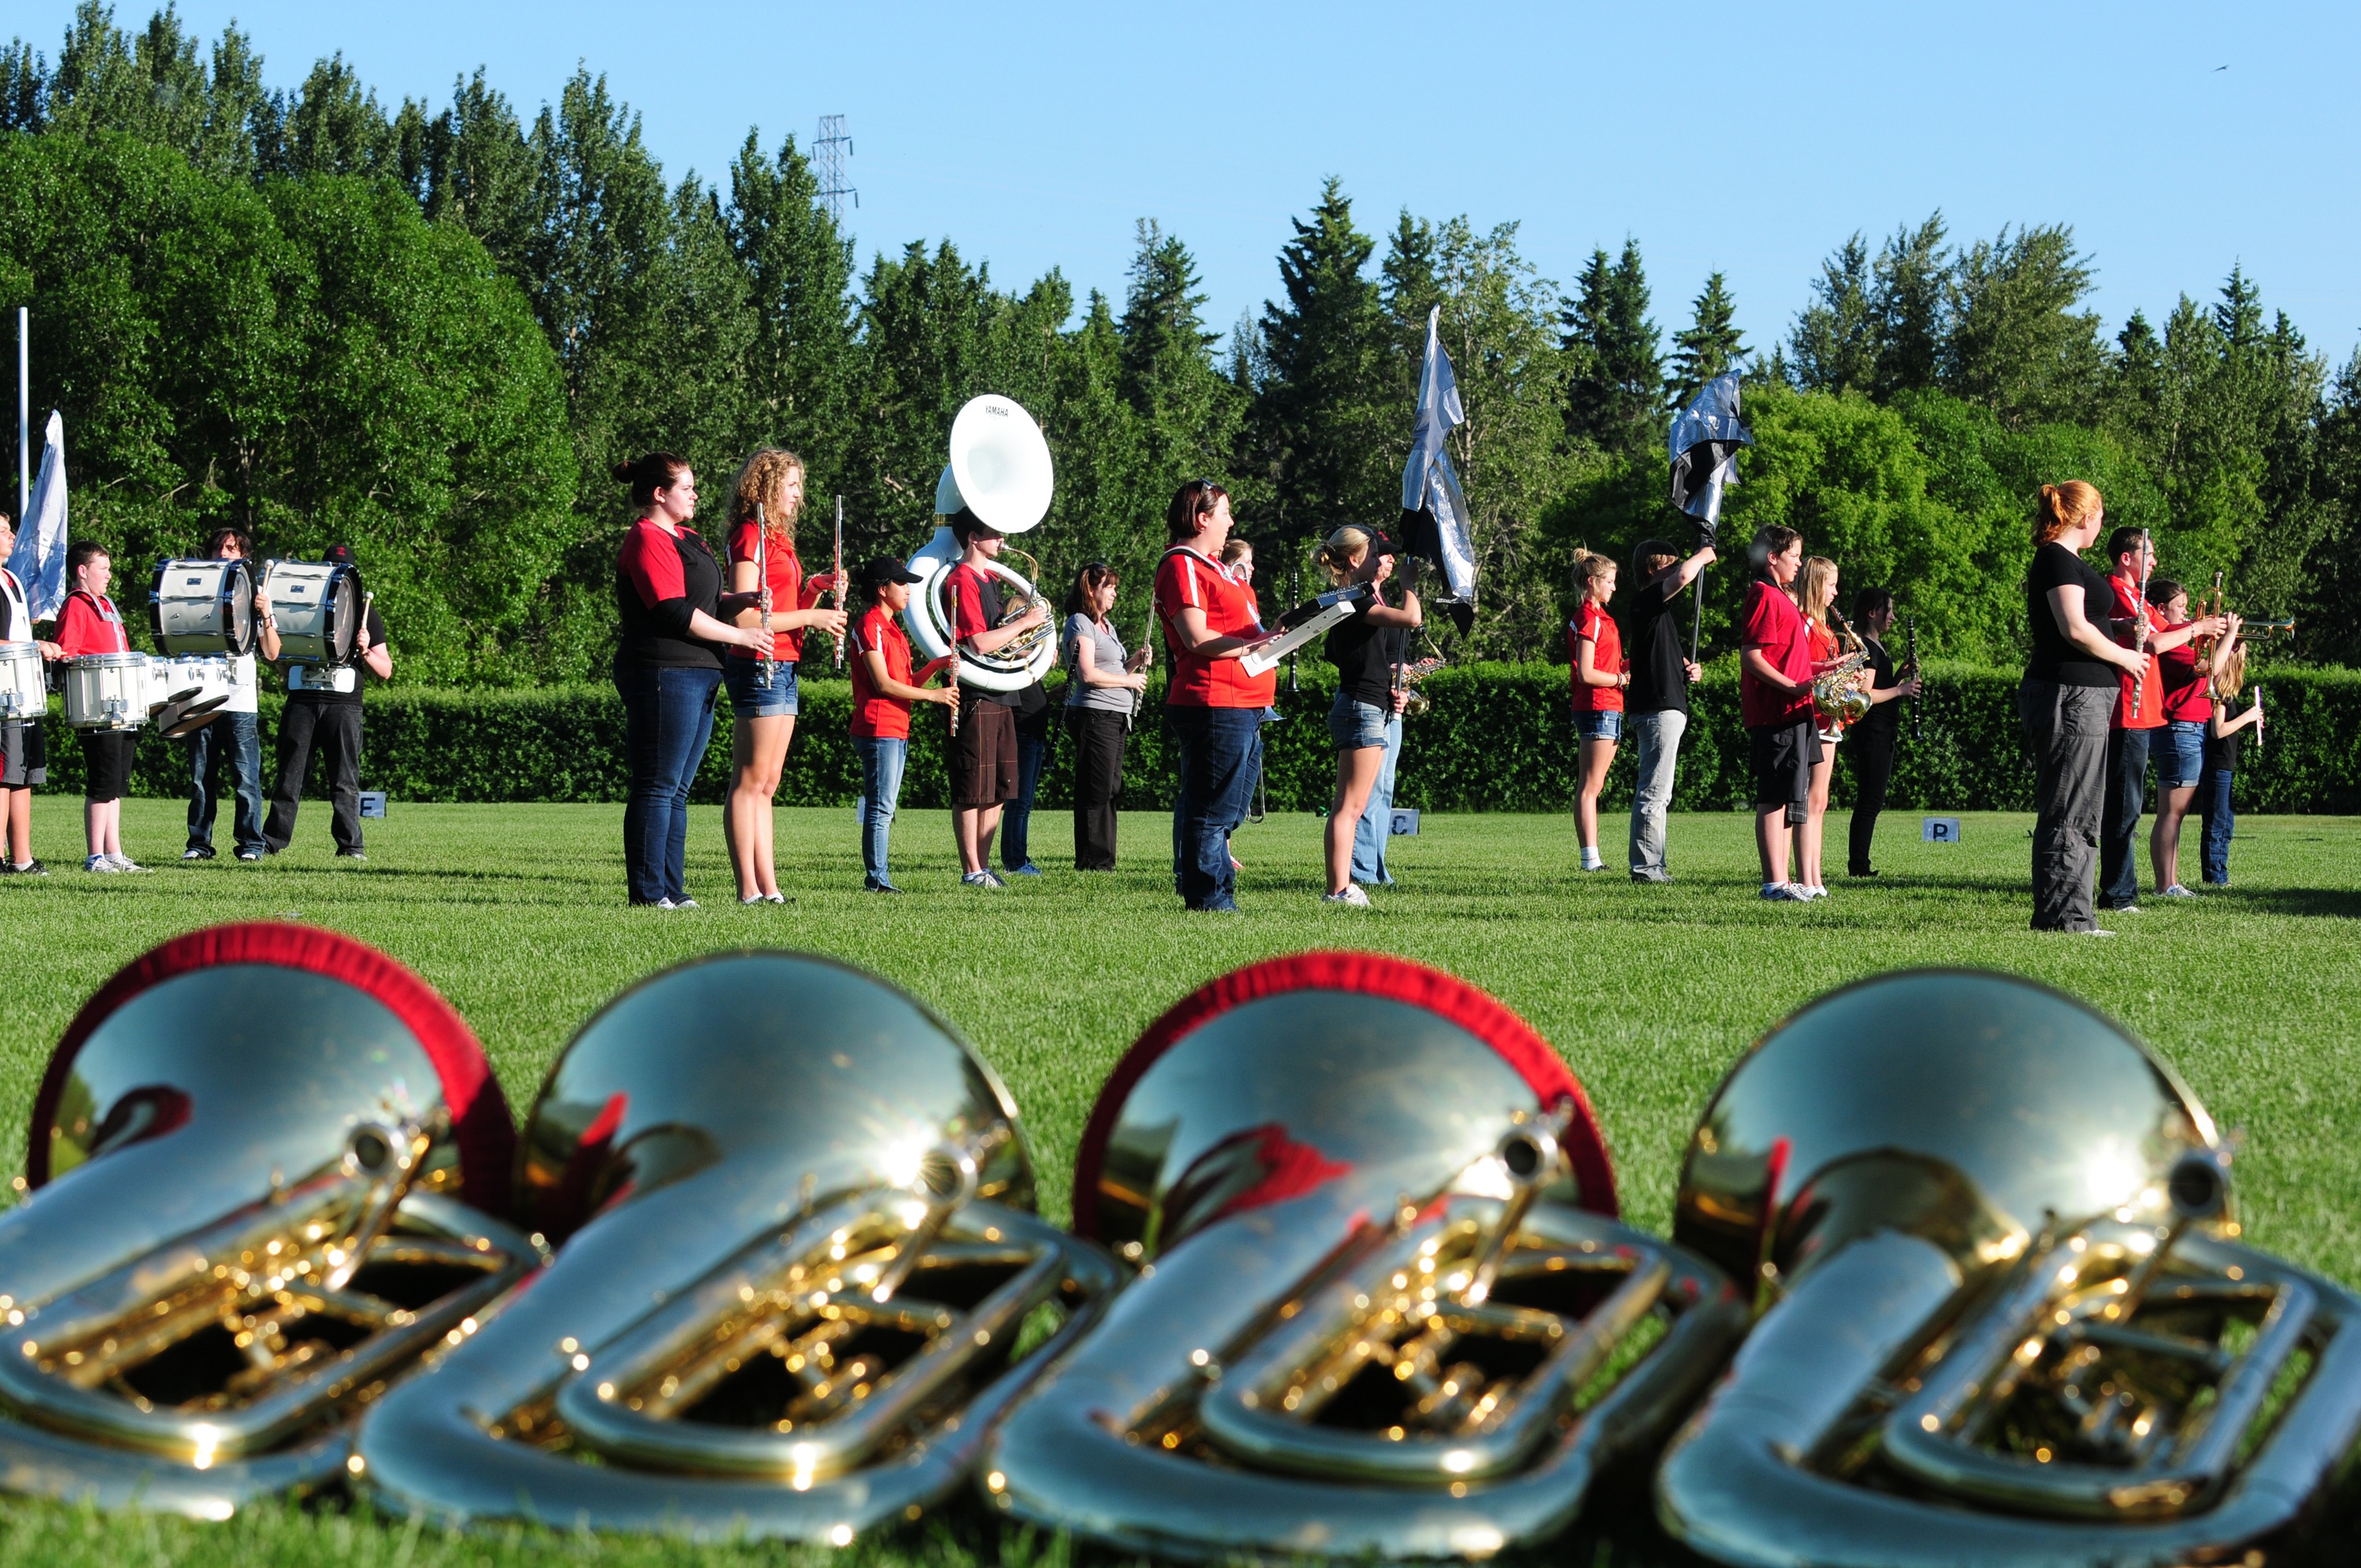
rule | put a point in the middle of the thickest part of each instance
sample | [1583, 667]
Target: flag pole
[24, 412]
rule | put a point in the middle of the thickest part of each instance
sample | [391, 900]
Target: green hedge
[1499, 738]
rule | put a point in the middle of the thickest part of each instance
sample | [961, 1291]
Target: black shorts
[106, 763]
[23, 756]
[983, 759]
[1783, 756]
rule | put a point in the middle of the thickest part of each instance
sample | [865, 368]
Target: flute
[1910, 666]
[763, 661]
[839, 573]
[950, 670]
[2139, 625]
[2258, 721]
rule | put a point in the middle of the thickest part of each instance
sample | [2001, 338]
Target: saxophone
[1418, 703]
[1836, 695]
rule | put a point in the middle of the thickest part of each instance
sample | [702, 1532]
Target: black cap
[341, 555]
[882, 569]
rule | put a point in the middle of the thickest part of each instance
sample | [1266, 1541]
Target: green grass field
[516, 914]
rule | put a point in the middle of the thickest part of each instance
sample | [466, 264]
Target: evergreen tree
[1615, 368]
[1185, 412]
[926, 327]
[2016, 343]
[800, 271]
[1834, 338]
[1711, 344]
[1909, 302]
[1320, 425]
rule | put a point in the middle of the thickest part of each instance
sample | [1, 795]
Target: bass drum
[24, 687]
[929, 626]
[317, 605]
[202, 606]
[107, 691]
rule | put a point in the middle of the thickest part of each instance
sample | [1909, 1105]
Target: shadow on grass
[2310, 902]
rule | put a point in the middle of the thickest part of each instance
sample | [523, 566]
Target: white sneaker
[1783, 893]
[101, 863]
[126, 864]
[1814, 890]
[1352, 895]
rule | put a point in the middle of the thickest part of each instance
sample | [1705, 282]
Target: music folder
[1307, 620]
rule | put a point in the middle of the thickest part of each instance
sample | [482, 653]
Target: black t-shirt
[988, 597]
[1363, 654]
[2222, 751]
[1884, 720]
[2054, 657]
[1659, 682]
[362, 673]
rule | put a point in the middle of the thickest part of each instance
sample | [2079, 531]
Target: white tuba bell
[1000, 470]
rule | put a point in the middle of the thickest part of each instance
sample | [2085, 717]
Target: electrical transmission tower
[832, 147]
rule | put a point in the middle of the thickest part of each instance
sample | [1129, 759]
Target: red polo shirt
[1184, 578]
[1595, 626]
[2151, 687]
[1777, 629]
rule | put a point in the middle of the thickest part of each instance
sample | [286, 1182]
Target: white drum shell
[107, 691]
[308, 608]
[24, 688]
[209, 679]
[930, 632]
[197, 607]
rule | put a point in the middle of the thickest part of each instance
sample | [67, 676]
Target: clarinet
[763, 661]
[951, 671]
[2140, 624]
[840, 579]
[1910, 664]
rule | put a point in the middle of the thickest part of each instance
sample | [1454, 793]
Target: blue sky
[1752, 139]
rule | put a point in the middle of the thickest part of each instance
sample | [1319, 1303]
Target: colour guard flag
[1705, 442]
[1435, 512]
[40, 558]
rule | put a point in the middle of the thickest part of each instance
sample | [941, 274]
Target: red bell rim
[479, 1112]
[1364, 974]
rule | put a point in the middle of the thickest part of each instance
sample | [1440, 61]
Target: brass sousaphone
[799, 1274]
[262, 1168]
[2007, 1319]
[1384, 1311]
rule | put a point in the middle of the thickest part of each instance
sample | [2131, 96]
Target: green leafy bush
[1499, 738]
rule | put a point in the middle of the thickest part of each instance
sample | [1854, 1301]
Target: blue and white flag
[1704, 443]
[1434, 511]
[40, 558]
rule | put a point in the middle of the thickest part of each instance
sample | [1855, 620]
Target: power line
[831, 148]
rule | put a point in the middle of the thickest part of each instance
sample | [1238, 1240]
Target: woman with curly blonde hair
[763, 695]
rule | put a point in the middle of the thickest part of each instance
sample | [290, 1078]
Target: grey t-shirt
[1106, 657]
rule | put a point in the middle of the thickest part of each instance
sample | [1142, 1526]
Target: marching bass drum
[24, 683]
[202, 606]
[317, 606]
[930, 625]
[263, 1176]
[108, 691]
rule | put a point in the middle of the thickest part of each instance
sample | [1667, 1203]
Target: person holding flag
[1656, 704]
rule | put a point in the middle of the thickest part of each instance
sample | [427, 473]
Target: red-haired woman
[668, 669]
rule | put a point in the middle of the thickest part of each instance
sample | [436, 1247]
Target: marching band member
[669, 604]
[2187, 719]
[2221, 734]
[1365, 720]
[1774, 699]
[1030, 709]
[1238, 561]
[1214, 706]
[1104, 690]
[91, 624]
[325, 706]
[1872, 744]
[1656, 702]
[2133, 730]
[762, 512]
[1594, 646]
[24, 757]
[2066, 701]
[1816, 591]
[232, 742]
[884, 687]
[985, 763]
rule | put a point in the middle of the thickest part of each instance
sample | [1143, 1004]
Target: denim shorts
[2181, 757]
[1608, 726]
[1354, 724]
[747, 697]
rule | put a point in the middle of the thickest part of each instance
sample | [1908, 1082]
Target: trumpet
[2006, 1318]
[2264, 626]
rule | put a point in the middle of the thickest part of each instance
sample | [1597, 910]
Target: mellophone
[1345, 1277]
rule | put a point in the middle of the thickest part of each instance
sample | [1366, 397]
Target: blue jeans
[1221, 749]
[2213, 801]
[667, 719]
[233, 740]
[882, 758]
[2119, 826]
[1376, 827]
[1659, 735]
[1032, 751]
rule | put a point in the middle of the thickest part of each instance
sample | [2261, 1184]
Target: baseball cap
[882, 569]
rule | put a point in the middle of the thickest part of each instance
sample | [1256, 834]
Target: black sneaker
[350, 855]
[198, 852]
[31, 868]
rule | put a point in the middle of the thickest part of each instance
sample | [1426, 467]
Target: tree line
[429, 332]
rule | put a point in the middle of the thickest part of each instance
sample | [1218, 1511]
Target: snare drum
[202, 606]
[209, 679]
[24, 689]
[107, 691]
[317, 605]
